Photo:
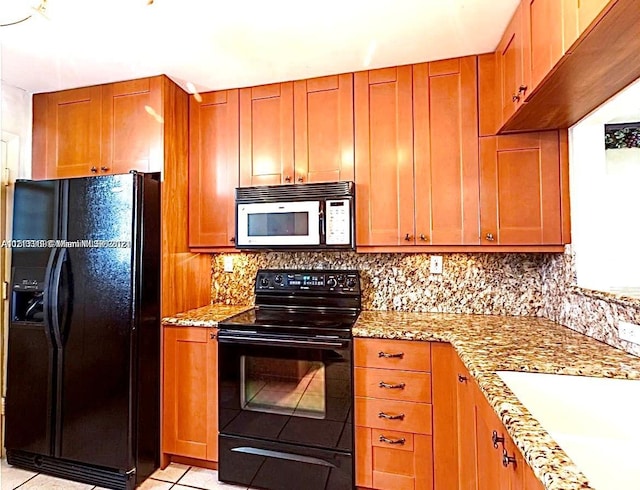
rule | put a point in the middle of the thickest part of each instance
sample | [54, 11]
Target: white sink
[596, 421]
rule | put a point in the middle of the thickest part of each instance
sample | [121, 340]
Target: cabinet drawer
[393, 384]
[407, 355]
[411, 417]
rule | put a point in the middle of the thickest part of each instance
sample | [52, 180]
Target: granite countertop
[205, 316]
[487, 344]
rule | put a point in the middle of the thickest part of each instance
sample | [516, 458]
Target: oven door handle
[283, 342]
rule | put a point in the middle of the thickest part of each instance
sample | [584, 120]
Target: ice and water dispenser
[27, 295]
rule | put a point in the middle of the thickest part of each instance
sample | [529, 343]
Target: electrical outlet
[436, 264]
[629, 332]
[227, 263]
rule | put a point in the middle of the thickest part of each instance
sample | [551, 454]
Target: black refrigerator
[83, 364]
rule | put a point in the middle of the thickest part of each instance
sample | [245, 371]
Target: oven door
[278, 224]
[289, 389]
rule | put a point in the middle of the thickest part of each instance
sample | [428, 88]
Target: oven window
[283, 386]
[278, 224]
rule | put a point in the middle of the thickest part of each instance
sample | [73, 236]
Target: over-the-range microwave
[316, 216]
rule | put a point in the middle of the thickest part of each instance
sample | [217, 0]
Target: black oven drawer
[279, 466]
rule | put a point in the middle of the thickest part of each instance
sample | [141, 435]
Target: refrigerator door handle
[47, 304]
[55, 295]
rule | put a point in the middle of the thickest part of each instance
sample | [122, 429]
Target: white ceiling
[218, 44]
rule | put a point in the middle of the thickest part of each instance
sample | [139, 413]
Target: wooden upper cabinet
[104, 129]
[190, 389]
[514, 79]
[213, 168]
[384, 157]
[67, 130]
[446, 152]
[132, 127]
[323, 119]
[266, 135]
[521, 189]
[545, 38]
[578, 15]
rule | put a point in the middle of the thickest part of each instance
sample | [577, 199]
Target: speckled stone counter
[206, 316]
[490, 343]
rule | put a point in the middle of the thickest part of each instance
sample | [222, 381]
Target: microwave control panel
[338, 216]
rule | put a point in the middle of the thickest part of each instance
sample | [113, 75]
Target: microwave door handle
[322, 222]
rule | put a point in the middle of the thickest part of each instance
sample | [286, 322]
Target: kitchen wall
[592, 313]
[495, 284]
[15, 122]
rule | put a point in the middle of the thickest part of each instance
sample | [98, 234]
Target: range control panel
[328, 280]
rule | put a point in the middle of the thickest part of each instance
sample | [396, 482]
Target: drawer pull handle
[386, 440]
[507, 460]
[461, 378]
[383, 415]
[399, 386]
[496, 439]
[386, 355]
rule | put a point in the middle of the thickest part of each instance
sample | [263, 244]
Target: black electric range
[286, 384]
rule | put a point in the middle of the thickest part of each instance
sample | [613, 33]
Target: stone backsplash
[592, 313]
[482, 283]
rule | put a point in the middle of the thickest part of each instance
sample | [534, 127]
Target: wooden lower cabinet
[190, 388]
[470, 443]
[393, 414]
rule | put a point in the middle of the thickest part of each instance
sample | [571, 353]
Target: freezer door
[31, 359]
[96, 366]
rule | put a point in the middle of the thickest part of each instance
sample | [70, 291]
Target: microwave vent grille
[295, 192]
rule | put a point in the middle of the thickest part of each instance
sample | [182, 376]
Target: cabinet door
[384, 157]
[490, 474]
[324, 129]
[446, 152]
[266, 135]
[213, 169]
[520, 189]
[466, 427]
[514, 81]
[67, 139]
[132, 130]
[190, 407]
[545, 37]
[578, 15]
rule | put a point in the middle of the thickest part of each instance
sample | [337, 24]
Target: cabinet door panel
[266, 134]
[446, 158]
[546, 37]
[363, 457]
[324, 129]
[190, 387]
[213, 169]
[489, 458]
[521, 189]
[384, 156]
[133, 126]
[73, 132]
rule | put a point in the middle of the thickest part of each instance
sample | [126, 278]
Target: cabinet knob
[522, 89]
[104, 169]
[300, 179]
[408, 237]
[287, 179]
[212, 335]
[507, 460]
[515, 97]
[94, 170]
[232, 239]
[461, 378]
[496, 439]
[423, 237]
[490, 237]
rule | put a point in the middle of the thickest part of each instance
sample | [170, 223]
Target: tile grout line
[28, 480]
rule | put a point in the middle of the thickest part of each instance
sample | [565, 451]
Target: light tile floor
[175, 476]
